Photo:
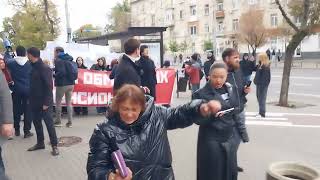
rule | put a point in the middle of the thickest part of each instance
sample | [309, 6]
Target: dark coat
[96, 67]
[216, 153]
[207, 66]
[149, 76]
[144, 144]
[235, 78]
[127, 73]
[41, 86]
[263, 76]
[113, 72]
[61, 71]
[20, 75]
[247, 67]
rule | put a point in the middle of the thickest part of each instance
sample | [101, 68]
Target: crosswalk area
[297, 120]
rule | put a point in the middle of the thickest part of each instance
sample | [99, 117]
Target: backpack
[72, 70]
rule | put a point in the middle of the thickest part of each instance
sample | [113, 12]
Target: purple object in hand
[117, 159]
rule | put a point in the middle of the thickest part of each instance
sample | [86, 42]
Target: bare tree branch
[306, 10]
[46, 11]
[285, 16]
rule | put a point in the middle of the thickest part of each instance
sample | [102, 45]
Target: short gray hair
[217, 66]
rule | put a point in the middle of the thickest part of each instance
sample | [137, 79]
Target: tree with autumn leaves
[252, 30]
[309, 13]
[33, 24]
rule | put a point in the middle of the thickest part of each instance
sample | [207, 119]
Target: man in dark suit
[128, 72]
[41, 100]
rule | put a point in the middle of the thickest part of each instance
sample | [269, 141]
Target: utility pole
[68, 22]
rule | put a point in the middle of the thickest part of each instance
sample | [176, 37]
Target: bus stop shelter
[145, 34]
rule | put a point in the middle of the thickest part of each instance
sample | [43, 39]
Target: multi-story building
[197, 21]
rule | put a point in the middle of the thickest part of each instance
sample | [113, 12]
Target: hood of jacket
[21, 60]
[65, 56]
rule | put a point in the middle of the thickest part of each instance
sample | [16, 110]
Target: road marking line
[267, 118]
[275, 114]
[268, 114]
[298, 77]
[307, 95]
[268, 123]
[279, 124]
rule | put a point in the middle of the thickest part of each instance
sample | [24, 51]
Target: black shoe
[17, 133]
[85, 113]
[55, 151]
[37, 147]
[28, 134]
[240, 169]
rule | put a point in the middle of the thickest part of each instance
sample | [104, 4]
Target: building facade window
[220, 6]
[193, 30]
[274, 20]
[181, 14]
[235, 25]
[206, 10]
[252, 2]
[193, 10]
[235, 4]
[220, 26]
[206, 28]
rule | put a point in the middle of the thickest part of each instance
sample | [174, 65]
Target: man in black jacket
[247, 66]
[231, 57]
[128, 72]
[149, 77]
[208, 64]
[20, 69]
[41, 100]
[64, 85]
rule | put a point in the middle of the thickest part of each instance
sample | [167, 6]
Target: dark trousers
[21, 106]
[38, 115]
[262, 91]
[78, 110]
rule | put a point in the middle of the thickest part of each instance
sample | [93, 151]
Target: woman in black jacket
[100, 66]
[216, 154]
[262, 81]
[140, 129]
[79, 110]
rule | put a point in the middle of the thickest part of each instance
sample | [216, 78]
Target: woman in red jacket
[193, 70]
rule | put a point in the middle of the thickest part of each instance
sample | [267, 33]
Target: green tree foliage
[207, 45]
[31, 26]
[184, 46]
[119, 17]
[173, 46]
[87, 31]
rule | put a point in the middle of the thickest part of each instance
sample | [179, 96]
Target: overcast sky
[81, 12]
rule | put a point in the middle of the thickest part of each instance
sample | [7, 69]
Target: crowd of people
[136, 124]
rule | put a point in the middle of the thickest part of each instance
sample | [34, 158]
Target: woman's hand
[212, 107]
[117, 176]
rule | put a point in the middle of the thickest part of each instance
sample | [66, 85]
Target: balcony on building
[220, 14]
[169, 18]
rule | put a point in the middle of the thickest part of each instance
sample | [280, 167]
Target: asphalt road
[285, 135]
